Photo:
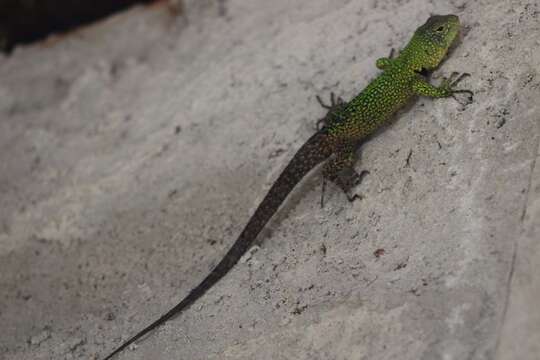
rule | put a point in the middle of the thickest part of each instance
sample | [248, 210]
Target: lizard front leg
[340, 170]
[446, 89]
[385, 62]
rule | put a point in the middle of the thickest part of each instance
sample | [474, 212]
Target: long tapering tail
[313, 152]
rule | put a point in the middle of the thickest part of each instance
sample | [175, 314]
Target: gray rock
[90, 155]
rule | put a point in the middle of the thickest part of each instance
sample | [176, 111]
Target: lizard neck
[421, 56]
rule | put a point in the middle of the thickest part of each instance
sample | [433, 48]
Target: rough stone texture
[132, 153]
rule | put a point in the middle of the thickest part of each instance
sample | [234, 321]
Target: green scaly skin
[346, 125]
[401, 81]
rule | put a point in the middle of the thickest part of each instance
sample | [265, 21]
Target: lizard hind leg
[336, 105]
[340, 171]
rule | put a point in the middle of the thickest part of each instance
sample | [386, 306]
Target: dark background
[25, 21]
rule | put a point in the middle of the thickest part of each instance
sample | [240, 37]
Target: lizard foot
[453, 80]
[336, 104]
[347, 179]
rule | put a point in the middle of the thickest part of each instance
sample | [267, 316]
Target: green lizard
[345, 126]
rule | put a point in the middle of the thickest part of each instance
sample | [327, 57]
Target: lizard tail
[312, 153]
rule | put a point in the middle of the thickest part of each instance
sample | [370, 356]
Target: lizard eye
[440, 28]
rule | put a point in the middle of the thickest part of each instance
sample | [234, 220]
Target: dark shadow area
[26, 21]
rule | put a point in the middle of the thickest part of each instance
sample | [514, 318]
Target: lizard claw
[470, 97]
[321, 102]
[336, 104]
[355, 181]
[392, 53]
[458, 80]
[333, 101]
[454, 79]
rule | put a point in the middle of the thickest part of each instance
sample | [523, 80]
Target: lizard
[344, 128]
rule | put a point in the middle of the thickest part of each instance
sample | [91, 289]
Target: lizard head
[431, 41]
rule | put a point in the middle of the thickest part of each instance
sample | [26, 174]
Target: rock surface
[132, 153]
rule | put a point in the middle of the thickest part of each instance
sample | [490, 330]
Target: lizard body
[346, 125]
